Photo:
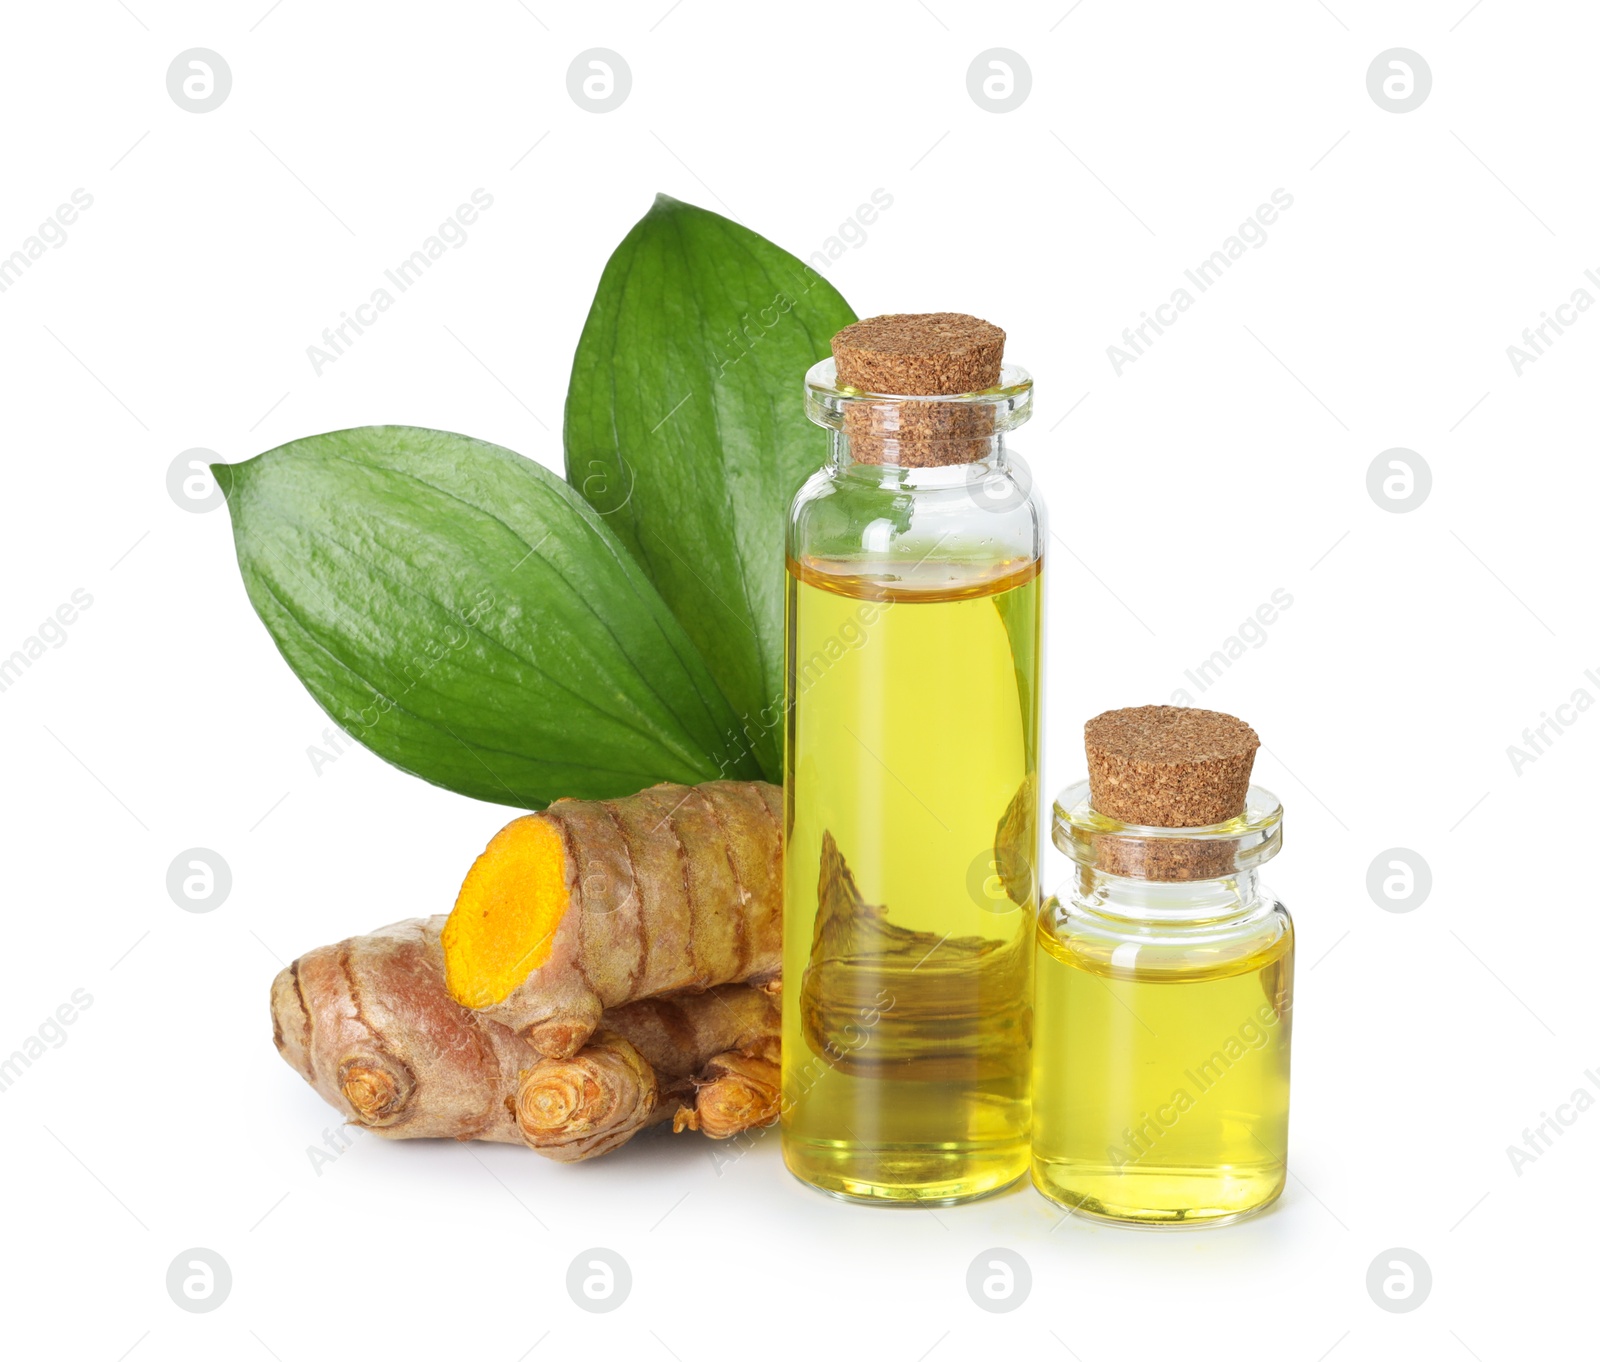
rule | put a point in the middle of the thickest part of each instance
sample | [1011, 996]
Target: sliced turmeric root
[509, 908]
[593, 904]
[370, 1025]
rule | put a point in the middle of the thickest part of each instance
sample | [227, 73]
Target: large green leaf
[685, 428]
[466, 615]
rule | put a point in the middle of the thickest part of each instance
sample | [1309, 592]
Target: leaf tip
[665, 203]
[226, 476]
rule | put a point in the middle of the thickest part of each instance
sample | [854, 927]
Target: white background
[1228, 461]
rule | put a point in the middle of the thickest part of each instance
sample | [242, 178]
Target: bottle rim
[1139, 851]
[1010, 402]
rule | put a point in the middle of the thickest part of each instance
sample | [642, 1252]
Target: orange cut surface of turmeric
[594, 904]
[515, 896]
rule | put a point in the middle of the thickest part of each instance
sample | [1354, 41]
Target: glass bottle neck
[1225, 900]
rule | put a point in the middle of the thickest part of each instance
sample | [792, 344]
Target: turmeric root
[572, 1109]
[370, 1025]
[735, 1092]
[591, 905]
[642, 1066]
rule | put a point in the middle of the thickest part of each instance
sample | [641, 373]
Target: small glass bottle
[911, 759]
[1163, 1009]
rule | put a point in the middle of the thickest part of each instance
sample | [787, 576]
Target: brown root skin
[675, 889]
[735, 1092]
[642, 1067]
[370, 1025]
[679, 1036]
[572, 1109]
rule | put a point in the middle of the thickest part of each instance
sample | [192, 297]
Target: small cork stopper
[919, 355]
[1167, 767]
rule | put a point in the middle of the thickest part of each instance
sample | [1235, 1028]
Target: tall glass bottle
[911, 790]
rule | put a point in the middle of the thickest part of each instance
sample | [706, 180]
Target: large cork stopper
[919, 355]
[1163, 766]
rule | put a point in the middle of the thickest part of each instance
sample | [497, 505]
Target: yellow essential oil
[1165, 980]
[909, 898]
[1162, 1091]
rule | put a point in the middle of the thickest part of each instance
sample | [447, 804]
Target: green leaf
[466, 615]
[685, 427]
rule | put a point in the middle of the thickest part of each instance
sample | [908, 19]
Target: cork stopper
[1162, 766]
[919, 355]
[1166, 767]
